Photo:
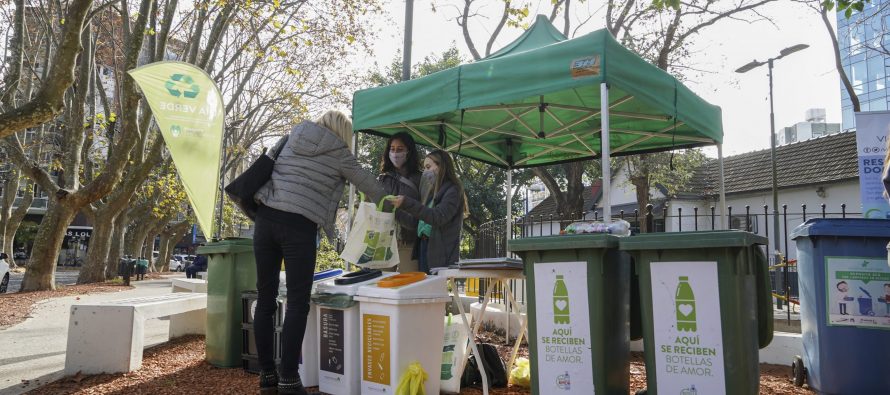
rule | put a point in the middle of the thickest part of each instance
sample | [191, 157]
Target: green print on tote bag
[372, 240]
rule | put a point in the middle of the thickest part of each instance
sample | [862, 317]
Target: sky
[803, 80]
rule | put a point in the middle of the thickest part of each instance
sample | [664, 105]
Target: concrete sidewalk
[32, 353]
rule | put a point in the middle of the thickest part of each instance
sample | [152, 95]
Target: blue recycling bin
[844, 305]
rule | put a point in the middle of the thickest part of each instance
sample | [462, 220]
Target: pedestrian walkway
[32, 353]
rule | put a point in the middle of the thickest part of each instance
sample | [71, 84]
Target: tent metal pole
[509, 211]
[351, 208]
[722, 188]
[604, 157]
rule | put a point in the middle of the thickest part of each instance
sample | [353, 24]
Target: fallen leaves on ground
[17, 307]
[178, 367]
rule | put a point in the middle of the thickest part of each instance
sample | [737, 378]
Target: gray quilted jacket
[310, 173]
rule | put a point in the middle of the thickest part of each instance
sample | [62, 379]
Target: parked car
[178, 263]
[4, 272]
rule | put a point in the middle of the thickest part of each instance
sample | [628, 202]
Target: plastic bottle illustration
[685, 301]
[560, 302]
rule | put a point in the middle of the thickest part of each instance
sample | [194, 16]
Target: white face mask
[398, 158]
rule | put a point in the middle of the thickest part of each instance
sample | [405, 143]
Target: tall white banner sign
[872, 129]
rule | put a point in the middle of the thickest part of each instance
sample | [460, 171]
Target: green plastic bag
[520, 375]
[412, 380]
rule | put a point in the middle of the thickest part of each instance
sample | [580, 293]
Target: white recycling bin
[401, 323]
[338, 332]
[308, 367]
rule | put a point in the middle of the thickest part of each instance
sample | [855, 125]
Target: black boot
[268, 383]
[292, 386]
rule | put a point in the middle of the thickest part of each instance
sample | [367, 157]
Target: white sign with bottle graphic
[858, 292]
[688, 330]
[565, 365]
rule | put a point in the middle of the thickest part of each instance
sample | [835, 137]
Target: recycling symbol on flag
[182, 85]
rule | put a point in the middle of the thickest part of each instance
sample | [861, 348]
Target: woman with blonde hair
[301, 196]
[441, 211]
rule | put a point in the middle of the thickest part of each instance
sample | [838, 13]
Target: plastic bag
[412, 380]
[521, 375]
[618, 227]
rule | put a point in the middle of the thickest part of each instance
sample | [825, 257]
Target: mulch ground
[17, 307]
[178, 367]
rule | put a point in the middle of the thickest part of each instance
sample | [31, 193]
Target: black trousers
[294, 239]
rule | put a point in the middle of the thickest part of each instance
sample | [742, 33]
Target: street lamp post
[772, 125]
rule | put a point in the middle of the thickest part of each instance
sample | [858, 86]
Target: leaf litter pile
[178, 367]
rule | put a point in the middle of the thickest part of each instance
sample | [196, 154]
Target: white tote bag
[372, 240]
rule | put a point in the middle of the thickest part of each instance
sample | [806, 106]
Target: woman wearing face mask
[441, 214]
[400, 175]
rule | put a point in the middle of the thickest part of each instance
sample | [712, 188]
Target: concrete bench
[202, 275]
[189, 285]
[108, 337]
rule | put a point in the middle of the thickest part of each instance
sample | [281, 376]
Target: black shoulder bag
[243, 187]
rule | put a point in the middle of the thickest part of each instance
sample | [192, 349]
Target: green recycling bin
[706, 311]
[578, 289]
[231, 270]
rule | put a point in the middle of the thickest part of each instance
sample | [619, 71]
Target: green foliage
[26, 233]
[848, 7]
[669, 171]
[327, 257]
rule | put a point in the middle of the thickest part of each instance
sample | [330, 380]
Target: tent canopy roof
[536, 102]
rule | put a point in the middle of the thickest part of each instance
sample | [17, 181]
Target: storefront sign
[871, 143]
[375, 342]
[331, 340]
[562, 321]
[688, 331]
[857, 292]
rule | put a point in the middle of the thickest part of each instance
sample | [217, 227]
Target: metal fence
[491, 239]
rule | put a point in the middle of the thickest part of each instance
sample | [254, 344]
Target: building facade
[864, 44]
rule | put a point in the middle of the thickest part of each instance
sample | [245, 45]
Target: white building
[813, 126]
[810, 173]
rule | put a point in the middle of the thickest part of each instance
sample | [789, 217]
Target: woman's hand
[397, 200]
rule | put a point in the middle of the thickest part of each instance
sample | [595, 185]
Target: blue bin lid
[847, 227]
[324, 275]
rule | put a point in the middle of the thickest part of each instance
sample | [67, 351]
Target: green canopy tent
[543, 100]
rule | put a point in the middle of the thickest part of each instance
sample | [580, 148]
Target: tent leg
[722, 189]
[606, 202]
[351, 208]
[509, 211]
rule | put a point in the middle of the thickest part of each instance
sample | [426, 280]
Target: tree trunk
[117, 243]
[42, 264]
[169, 238]
[10, 189]
[96, 263]
[639, 177]
[14, 221]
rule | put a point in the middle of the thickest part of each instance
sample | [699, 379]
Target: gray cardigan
[446, 217]
[310, 173]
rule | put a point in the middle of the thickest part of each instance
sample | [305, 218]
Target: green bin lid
[691, 240]
[564, 242]
[230, 245]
